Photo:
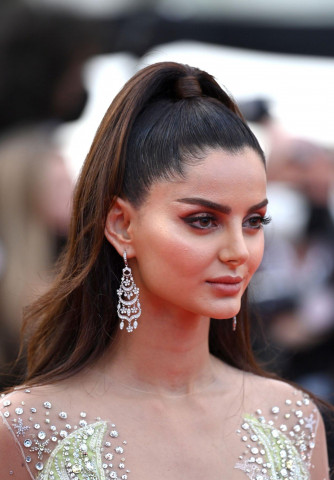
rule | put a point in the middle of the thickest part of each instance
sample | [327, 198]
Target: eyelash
[262, 220]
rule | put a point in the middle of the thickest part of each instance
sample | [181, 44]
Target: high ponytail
[167, 116]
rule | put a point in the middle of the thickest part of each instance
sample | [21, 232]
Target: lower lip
[228, 289]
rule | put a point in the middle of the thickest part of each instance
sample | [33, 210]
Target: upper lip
[226, 279]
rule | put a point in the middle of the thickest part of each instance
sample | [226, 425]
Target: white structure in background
[300, 89]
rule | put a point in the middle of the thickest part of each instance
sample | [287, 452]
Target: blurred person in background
[42, 54]
[35, 202]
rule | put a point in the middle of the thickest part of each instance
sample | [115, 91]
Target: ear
[117, 227]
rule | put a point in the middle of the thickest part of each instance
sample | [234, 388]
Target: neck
[166, 357]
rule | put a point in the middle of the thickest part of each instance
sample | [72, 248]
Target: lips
[226, 285]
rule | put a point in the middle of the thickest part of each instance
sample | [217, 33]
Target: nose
[233, 249]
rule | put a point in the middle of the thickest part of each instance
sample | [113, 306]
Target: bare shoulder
[270, 392]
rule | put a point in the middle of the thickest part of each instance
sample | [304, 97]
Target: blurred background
[63, 61]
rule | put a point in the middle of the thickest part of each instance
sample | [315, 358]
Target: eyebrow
[216, 206]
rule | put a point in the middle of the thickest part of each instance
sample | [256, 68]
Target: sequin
[18, 411]
[39, 466]
[284, 451]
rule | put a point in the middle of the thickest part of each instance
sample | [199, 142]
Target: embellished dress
[274, 442]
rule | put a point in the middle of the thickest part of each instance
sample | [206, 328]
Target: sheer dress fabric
[41, 441]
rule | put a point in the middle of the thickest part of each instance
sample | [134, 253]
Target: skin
[177, 406]
[177, 248]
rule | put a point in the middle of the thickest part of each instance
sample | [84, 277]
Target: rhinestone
[252, 460]
[18, 411]
[299, 403]
[6, 414]
[28, 459]
[262, 419]
[282, 453]
[114, 433]
[312, 445]
[82, 423]
[306, 401]
[283, 428]
[284, 472]
[37, 426]
[90, 432]
[254, 438]
[262, 452]
[255, 450]
[289, 464]
[119, 450]
[108, 456]
[54, 439]
[6, 403]
[104, 465]
[113, 475]
[245, 426]
[76, 468]
[39, 466]
[259, 460]
[275, 433]
[244, 438]
[47, 420]
[275, 410]
[27, 443]
[296, 428]
[121, 465]
[68, 426]
[288, 402]
[53, 428]
[124, 477]
[287, 415]
[63, 433]
[83, 447]
[27, 391]
[299, 413]
[47, 404]
[63, 415]
[83, 414]
[89, 466]
[107, 444]
[33, 410]
[41, 435]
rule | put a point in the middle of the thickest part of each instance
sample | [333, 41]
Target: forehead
[220, 174]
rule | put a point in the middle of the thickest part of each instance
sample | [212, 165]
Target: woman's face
[198, 240]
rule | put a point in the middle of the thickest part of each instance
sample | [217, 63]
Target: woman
[139, 357]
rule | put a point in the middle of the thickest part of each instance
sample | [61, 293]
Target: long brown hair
[166, 116]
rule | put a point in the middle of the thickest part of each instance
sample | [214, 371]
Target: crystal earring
[234, 324]
[128, 307]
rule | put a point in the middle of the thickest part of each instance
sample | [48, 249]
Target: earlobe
[116, 229]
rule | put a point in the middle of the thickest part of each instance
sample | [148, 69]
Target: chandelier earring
[234, 323]
[128, 307]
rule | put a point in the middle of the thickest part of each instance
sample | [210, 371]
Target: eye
[256, 221]
[201, 222]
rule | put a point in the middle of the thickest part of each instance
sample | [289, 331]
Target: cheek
[163, 251]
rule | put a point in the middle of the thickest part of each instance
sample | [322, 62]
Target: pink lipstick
[227, 285]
